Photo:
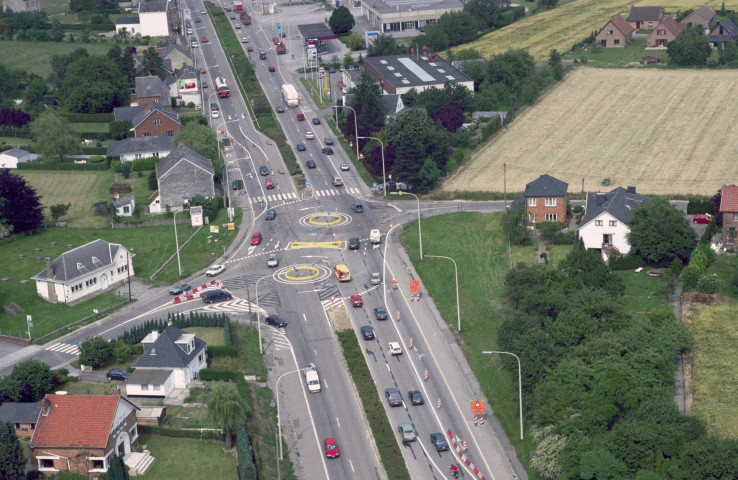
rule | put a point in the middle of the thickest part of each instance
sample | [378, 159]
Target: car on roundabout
[356, 301]
[256, 238]
[215, 270]
[271, 214]
[354, 243]
[272, 261]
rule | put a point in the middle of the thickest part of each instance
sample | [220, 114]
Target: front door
[122, 449]
[103, 281]
[607, 238]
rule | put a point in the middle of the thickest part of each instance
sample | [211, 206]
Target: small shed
[153, 416]
[11, 158]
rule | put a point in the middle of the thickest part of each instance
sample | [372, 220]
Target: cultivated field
[664, 131]
[568, 24]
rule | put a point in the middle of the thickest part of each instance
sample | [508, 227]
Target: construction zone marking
[197, 291]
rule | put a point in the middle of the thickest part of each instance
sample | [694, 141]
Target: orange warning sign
[477, 407]
[415, 286]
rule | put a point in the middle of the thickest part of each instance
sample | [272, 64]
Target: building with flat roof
[398, 74]
[401, 15]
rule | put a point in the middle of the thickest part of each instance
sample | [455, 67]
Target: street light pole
[384, 178]
[258, 321]
[176, 243]
[356, 128]
[520, 386]
[420, 234]
[279, 419]
[456, 271]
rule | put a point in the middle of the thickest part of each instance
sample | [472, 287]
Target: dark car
[311, 164]
[118, 374]
[357, 208]
[316, 121]
[280, 108]
[276, 321]
[300, 147]
[328, 140]
[354, 243]
[327, 151]
[416, 398]
[380, 313]
[270, 214]
[439, 441]
[394, 397]
[179, 288]
[256, 238]
[212, 296]
[249, 48]
[204, 84]
[367, 332]
[263, 170]
[332, 70]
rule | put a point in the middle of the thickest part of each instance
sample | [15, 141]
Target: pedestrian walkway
[64, 348]
[278, 197]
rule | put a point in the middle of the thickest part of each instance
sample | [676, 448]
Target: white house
[11, 158]
[607, 220]
[124, 206]
[153, 17]
[171, 359]
[84, 272]
[129, 149]
[131, 25]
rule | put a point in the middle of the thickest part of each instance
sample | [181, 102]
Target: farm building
[617, 32]
[11, 158]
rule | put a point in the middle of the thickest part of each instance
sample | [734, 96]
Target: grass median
[351, 152]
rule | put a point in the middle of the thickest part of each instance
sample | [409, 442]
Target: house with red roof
[617, 32]
[729, 210]
[81, 433]
[666, 31]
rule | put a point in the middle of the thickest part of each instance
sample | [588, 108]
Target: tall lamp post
[176, 243]
[520, 386]
[356, 127]
[384, 179]
[258, 320]
[279, 419]
[420, 236]
[456, 271]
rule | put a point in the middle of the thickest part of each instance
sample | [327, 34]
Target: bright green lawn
[178, 458]
[54, 6]
[16, 55]
[210, 335]
[616, 57]
[83, 128]
[644, 294]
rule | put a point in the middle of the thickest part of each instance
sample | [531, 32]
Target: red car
[340, 85]
[269, 183]
[204, 40]
[356, 301]
[256, 238]
[203, 70]
[702, 218]
[331, 448]
[275, 40]
[271, 68]
[301, 116]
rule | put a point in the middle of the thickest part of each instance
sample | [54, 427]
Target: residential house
[645, 17]
[124, 206]
[81, 433]
[176, 55]
[154, 120]
[725, 31]
[24, 416]
[703, 16]
[607, 220]
[84, 272]
[185, 87]
[129, 149]
[157, 18]
[666, 31]
[617, 32]
[18, 6]
[150, 89]
[11, 158]
[172, 359]
[729, 210]
[182, 175]
[131, 25]
[545, 200]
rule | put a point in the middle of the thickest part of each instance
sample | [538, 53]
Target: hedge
[629, 262]
[195, 319]
[176, 432]
[61, 166]
[246, 464]
[94, 151]
[215, 351]
[88, 117]
[712, 229]
[207, 374]
[81, 27]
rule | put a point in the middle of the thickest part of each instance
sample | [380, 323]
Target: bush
[712, 229]
[215, 351]
[121, 351]
[96, 159]
[702, 257]
[153, 183]
[148, 163]
[548, 230]
[709, 284]
[246, 464]
[676, 267]
[565, 238]
[700, 205]
[125, 170]
[577, 209]
[209, 374]
[690, 277]
[628, 262]
[733, 283]
[95, 351]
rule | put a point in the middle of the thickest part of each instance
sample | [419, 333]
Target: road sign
[394, 280]
[307, 183]
[477, 407]
[415, 286]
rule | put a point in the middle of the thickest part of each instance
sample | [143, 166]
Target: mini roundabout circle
[302, 273]
[325, 219]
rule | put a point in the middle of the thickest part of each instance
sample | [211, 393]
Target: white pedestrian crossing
[285, 197]
[63, 348]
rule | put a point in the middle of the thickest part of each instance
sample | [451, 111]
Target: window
[598, 223]
[735, 215]
[531, 202]
[613, 223]
[156, 387]
[97, 464]
[550, 202]
[147, 134]
[550, 217]
[170, 133]
[408, 25]
[616, 42]
[157, 121]
[126, 209]
[532, 218]
[134, 432]
[46, 463]
[650, 24]
[610, 32]
[144, 387]
[138, 155]
[661, 31]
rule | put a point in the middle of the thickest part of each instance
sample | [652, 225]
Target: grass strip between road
[363, 172]
[384, 437]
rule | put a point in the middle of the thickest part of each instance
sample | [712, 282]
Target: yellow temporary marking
[334, 219]
[315, 245]
[315, 273]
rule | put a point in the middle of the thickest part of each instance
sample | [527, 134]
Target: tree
[94, 85]
[450, 117]
[384, 45]
[59, 64]
[201, 139]
[54, 135]
[20, 206]
[368, 104]
[14, 118]
[152, 61]
[33, 97]
[690, 48]
[554, 63]
[95, 351]
[226, 408]
[153, 182]
[355, 42]
[728, 54]
[660, 233]
[117, 470]
[28, 382]
[514, 223]
[58, 211]
[461, 27]
[341, 20]
[548, 3]
[121, 129]
[12, 461]
[435, 37]
[486, 11]
[57, 31]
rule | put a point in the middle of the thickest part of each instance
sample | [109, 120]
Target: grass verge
[311, 85]
[178, 458]
[340, 140]
[210, 335]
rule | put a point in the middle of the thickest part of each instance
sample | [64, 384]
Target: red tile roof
[76, 421]
[622, 24]
[729, 199]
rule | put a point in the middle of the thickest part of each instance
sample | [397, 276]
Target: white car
[309, 135]
[214, 114]
[215, 270]
[245, 40]
[272, 261]
[376, 278]
[394, 348]
[203, 12]
[345, 167]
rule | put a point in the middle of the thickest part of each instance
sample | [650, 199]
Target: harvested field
[660, 130]
[568, 24]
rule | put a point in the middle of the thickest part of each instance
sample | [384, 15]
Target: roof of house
[705, 12]
[546, 186]
[153, 143]
[83, 421]
[152, 108]
[152, 6]
[122, 201]
[15, 152]
[407, 71]
[642, 14]
[728, 26]
[164, 353]
[183, 153]
[729, 199]
[393, 6]
[621, 24]
[671, 25]
[127, 21]
[172, 47]
[20, 412]
[186, 71]
[617, 203]
[81, 261]
[126, 113]
[149, 376]
[152, 86]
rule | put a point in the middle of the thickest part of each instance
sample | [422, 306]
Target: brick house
[151, 89]
[81, 433]
[666, 31]
[645, 17]
[23, 415]
[725, 31]
[617, 32]
[545, 200]
[729, 210]
[703, 16]
[155, 120]
[182, 175]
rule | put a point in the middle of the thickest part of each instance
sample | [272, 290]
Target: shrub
[564, 238]
[97, 159]
[690, 277]
[147, 163]
[628, 262]
[709, 284]
[548, 230]
[125, 170]
[700, 205]
[121, 351]
[246, 464]
[676, 267]
[702, 257]
[712, 229]
[95, 351]
[733, 283]
[218, 375]
[577, 209]
[215, 351]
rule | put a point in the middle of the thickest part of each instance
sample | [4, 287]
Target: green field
[210, 335]
[16, 55]
[178, 458]
[90, 127]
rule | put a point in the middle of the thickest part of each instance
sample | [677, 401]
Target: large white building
[157, 18]
[400, 15]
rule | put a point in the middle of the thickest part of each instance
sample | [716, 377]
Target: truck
[290, 95]
[375, 237]
[311, 378]
[245, 18]
[281, 48]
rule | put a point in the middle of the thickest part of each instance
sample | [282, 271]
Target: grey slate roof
[316, 31]
[183, 153]
[152, 86]
[19, 412]
[164, 353]
[119, 202]
[546, 186]
[407, 71]
[617, 203]
[127, 21]
[15, 152]
[149, 376]
[173, 46]
[126, 113]
[81, 261]
[645, 14]
[153, 107]
[729, 27]
[154, 143]
[153, 6]
[186, 71]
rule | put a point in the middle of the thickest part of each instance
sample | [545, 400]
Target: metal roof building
[400, 15]
[398, 74]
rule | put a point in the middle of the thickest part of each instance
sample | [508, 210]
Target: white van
[312, 379]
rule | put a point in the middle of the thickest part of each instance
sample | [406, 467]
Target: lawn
[644, 294]
[574, 134]
[54, 6]
[86, 388]
[714, 371]
[210, 335]
[178, 458]
[596, 56]
[311, 86]
[15, 55]
[83, 128]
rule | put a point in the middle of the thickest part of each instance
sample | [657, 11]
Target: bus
[221, 87]
[237, 5]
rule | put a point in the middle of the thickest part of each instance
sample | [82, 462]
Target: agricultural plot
[659, 130]
[566, 25]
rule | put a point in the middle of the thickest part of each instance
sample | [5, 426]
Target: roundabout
[325, 219]
[302, 273]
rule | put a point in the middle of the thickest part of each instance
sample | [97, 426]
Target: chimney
[116, 392]
[45, 406]
[154, 335]
[631, 189]
[49, 268]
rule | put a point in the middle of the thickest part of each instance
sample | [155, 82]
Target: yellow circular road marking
[337, 218]
[302, 267]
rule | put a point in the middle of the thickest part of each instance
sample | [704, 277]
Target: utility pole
[504, 183]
